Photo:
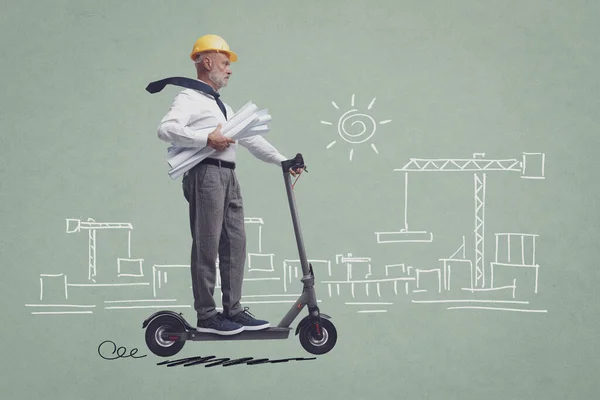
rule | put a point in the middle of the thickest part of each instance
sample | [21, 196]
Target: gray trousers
[217, 227]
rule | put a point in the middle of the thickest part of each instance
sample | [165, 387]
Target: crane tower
[76, 225]
[531, 166]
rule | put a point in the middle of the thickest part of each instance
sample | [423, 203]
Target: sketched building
[123, 276]
[359, 280]
[515, 262]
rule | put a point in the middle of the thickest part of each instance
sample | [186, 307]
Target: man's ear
[208, 63]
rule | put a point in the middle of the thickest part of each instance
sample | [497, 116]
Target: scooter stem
[286, 165]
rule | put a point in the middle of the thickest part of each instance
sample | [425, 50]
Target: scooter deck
[268, 333]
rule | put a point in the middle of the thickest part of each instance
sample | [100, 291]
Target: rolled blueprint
[248, 121]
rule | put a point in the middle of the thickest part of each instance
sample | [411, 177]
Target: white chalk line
[59, 305]
[471, 301]
[61, 312]
[496, 309]
[261, 279]
[137, 301]
[108, 284]
[153, 306]
[273, 301]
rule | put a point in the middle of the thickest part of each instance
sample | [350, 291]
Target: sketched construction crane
[532, 169]
[76, 225]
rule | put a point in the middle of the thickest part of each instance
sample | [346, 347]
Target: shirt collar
[200, 80]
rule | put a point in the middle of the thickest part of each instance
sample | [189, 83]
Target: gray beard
[217, 80]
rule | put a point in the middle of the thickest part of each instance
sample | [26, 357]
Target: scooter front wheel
[310, 342]
[158, 345]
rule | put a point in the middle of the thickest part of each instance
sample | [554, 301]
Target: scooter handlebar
[295, 163]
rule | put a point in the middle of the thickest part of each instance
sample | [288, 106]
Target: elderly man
[212, 190]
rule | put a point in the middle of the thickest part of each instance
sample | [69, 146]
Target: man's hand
[218, 141]
[298, 165]
[296, 171]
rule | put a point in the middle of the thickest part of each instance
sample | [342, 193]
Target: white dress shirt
[192, 111]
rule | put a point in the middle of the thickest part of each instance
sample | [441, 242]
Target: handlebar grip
[295, 163]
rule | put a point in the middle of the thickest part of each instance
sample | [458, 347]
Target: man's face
[220, 69]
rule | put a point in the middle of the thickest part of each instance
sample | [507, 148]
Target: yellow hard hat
[214, 43]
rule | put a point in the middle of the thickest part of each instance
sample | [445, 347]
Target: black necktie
[157, 86]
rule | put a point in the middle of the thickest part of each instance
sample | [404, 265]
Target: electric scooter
[167, 331]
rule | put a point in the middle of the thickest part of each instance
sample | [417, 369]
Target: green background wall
[453, 79]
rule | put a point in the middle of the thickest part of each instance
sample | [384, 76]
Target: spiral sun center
[355, 127]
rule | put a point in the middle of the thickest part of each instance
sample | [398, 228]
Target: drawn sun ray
[371, 103]
[355, 127]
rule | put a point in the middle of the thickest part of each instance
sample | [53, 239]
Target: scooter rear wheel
[158, 345]
[316, 346]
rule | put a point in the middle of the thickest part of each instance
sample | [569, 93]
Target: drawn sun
[354, 127]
